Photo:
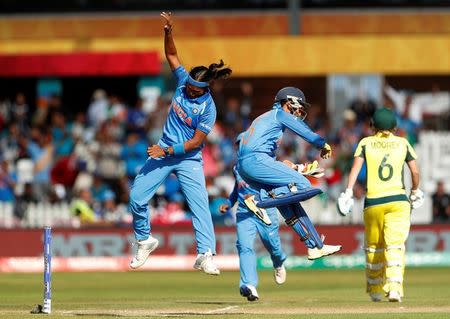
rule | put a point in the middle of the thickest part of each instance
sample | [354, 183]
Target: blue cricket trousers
[261, 171]
[190, 174]
[248, 225]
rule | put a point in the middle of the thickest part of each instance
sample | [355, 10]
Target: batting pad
[289, 198]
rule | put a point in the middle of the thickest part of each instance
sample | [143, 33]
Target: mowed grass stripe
[314, 293]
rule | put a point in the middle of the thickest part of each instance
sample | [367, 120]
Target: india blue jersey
[187, 115]
[241, 190]
[264, 135]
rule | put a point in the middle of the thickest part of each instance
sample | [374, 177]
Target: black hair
[215, 71]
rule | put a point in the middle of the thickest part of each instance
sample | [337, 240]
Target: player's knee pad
[395, 255]
[285, 195]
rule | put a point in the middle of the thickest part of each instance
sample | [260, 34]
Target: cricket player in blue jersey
[279, 184]
[191, 117]
[247, 226]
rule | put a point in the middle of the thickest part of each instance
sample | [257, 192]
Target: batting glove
[417, 198]
[345, 202]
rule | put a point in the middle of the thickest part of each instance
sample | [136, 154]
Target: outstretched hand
[168, 19]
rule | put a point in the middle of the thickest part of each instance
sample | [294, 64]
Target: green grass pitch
[306, 294]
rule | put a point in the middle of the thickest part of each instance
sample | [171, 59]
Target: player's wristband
[178, 149]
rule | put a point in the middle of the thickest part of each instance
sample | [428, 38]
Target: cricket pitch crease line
[225, 309]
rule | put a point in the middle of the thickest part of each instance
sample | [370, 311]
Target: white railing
[37, 215]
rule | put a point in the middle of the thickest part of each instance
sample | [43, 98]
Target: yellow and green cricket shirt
[385, 155]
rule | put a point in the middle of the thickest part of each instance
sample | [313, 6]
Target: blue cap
[288, 91]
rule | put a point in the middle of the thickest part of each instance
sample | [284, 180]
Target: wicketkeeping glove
[345, 202]
[325, 152]
[311, 169]
[417, 198]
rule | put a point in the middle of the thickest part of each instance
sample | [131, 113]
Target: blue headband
[191, 81]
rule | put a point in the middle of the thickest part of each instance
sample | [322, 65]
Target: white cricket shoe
[259, 212]
[375, 297]
[145, 247]
[250, 292]
[394, 296]
[315, 253]
[279, 275]
[205, 263]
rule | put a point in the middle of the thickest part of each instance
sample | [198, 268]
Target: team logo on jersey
[182, 114]
[195, 110]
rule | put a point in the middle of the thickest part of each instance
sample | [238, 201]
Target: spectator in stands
[20, 111]
[98, 109]
[111, 212]
[405, 104]
[219, 99]
[363, 106]
[65, 171]
[107, 153]
[158, 117]
[79, 126]
[44, 113]
[7, 182]
[26, 197]
[5, 111]
[226, 148]
[137, 119]
[9, 142]
[117, 109]
[350, 132]
[441, 204]
[246, 104]
[134, 153]
[123, 189]
[232, 116]
[62, 138]
[98, 188]
[81, 207]
[41, 152]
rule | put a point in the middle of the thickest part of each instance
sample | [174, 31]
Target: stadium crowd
[89, 159]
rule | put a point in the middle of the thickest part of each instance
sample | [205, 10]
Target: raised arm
[169, 45]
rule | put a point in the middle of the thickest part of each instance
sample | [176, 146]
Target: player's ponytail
[215, 71]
